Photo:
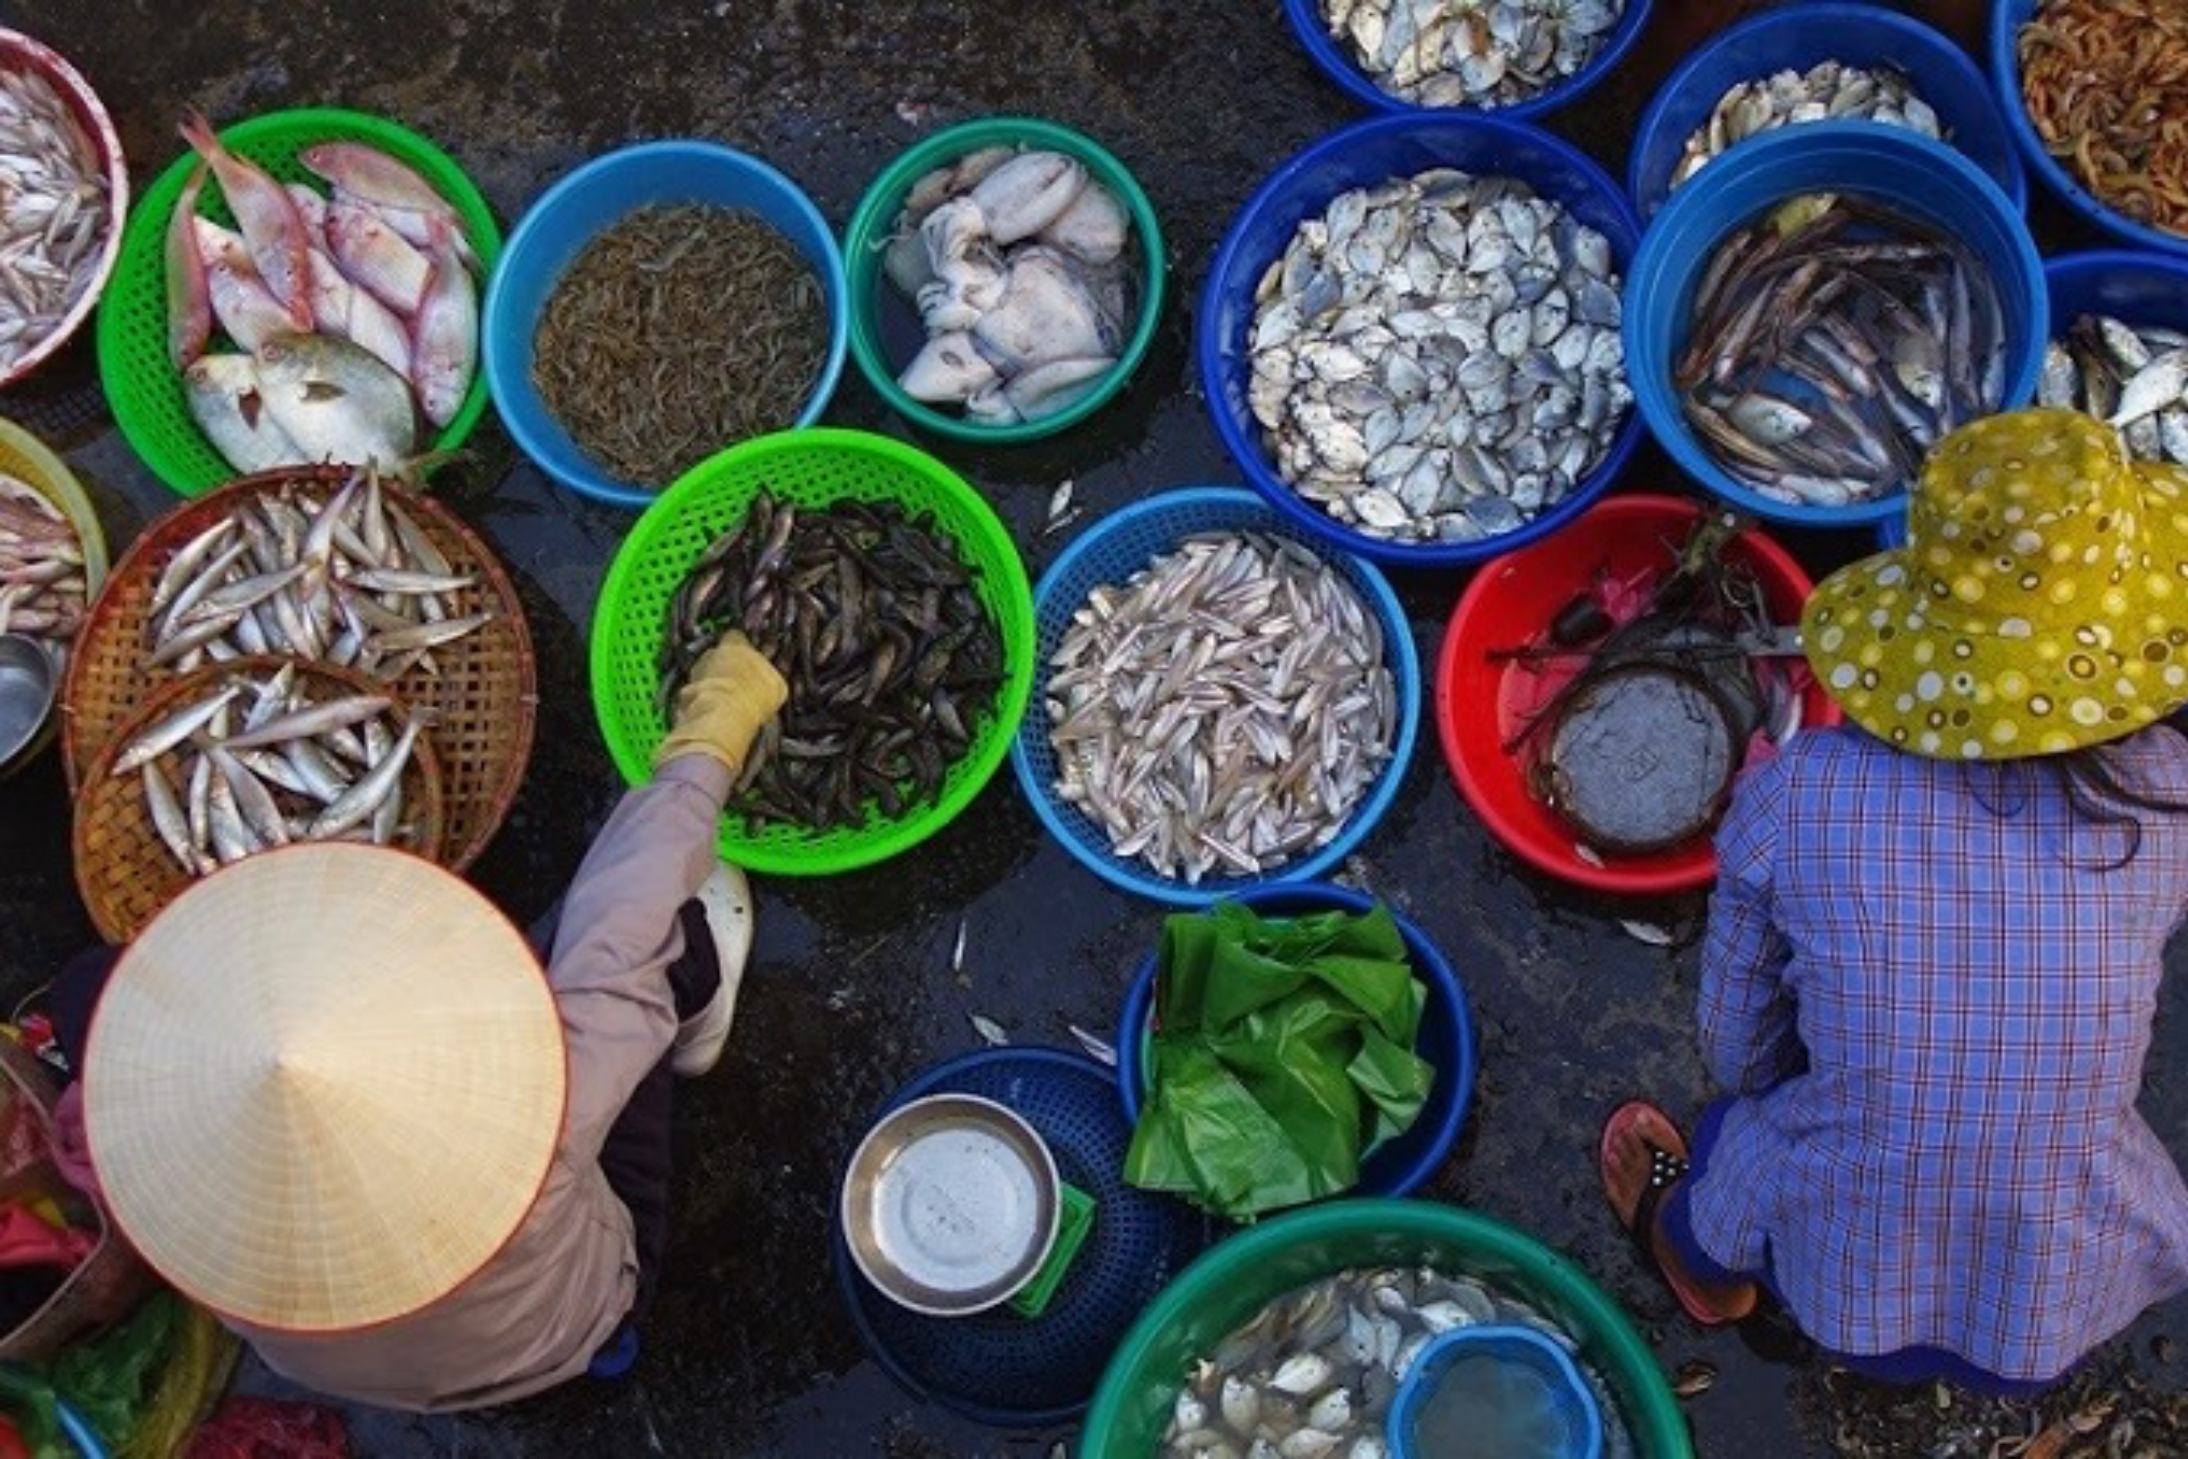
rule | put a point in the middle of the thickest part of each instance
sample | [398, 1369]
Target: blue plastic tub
[1798, 37]
[1112, 550]
[1926, 180]
[1362, 155]
[1336, 62]
[591, 199]
[1514, 1345]
[1446, 1040]
[2006, 19]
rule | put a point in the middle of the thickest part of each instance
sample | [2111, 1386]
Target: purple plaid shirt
[1938, 1019]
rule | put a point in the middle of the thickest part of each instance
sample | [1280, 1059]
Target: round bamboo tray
[485, 689]
[124, 870]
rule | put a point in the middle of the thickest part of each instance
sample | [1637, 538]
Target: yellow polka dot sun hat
[2040, 605]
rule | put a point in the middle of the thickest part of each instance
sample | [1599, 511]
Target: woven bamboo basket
[485, 688]
[124, 871]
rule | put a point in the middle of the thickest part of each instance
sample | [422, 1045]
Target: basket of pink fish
[301, 288]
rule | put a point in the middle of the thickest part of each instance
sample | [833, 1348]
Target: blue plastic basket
[2006, 19]
[1508, 1343]
[1119, 546]
[585, 203]
[1017, 1372]
[1445, 1039]
[1926, 180]
[1798, 37]
[1337, 63]
[1363, 155]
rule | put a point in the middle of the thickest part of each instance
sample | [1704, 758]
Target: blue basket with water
[1497, 1389]
[997, 1367]
[1113, 550]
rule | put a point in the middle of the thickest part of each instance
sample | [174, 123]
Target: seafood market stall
[1053, 456]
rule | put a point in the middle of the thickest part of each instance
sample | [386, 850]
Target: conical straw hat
[324, 1086]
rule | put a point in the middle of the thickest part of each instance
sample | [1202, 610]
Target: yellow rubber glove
[732, 693]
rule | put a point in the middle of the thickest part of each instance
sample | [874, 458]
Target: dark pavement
[851, 991]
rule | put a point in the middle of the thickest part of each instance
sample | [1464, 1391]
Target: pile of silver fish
[1829, 91]
[42, 583]
[54, 196]
[1485, 53]
[354, 314]
[346, 577]
[1313, 1375]
[2134, 376]
[1437, 358]
[1019, 264]
[1832, 342]
[1222, 711]
[258, 764]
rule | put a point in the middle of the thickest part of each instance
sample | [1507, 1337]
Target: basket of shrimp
[342, 571]
[244, 756]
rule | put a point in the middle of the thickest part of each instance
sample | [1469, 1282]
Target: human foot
[1643, 1156]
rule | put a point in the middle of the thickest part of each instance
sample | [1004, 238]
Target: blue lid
[1568, 1405]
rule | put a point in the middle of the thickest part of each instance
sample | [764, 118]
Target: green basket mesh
[811, 468]
[142, 384]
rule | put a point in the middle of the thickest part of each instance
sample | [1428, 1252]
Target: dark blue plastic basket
[1112, 550]
[1337, 63]
[1798, 37]
[1924, 179]
[2006, 19]
[1363, 155]
[1016, 1372]
[1445, 1039]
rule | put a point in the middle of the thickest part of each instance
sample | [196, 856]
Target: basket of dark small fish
[886, 592]
[1226, 701]
[246, 756]
[343, 573]
[1814, 311]
[1600, 692]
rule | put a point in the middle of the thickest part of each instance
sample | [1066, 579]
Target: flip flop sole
[1623, 1121]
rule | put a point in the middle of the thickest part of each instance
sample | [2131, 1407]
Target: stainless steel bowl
[27, 688]
[951, 1205]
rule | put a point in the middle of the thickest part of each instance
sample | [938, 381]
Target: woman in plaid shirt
[1936, 941]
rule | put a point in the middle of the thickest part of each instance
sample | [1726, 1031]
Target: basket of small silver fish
[889, 597]
[1006, 277]
[1819, 61]
[1815, 310]
[64, 189]
[242, 757]
[2119, 347]
[1521, 58]
[331, 567]
[1223, 701]
[52, 551]
[1410, 341]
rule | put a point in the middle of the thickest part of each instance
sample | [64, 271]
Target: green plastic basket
[868, 234]
[142, 384]
[811, 468]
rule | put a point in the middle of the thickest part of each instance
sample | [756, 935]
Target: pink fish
[189, 312]
[444, 339]
[248, 314]
[312, 206]
[271, 225]
[223, 246]
[405, 199]
[376, 257]
[339, 307]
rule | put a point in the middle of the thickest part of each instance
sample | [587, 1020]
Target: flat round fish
[1641, 759]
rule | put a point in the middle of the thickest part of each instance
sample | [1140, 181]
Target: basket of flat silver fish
[1225, 702]
[246, 756]
[1410, 339]
[886, 592]
[335, 568]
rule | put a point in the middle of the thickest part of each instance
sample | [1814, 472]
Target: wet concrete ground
[850, 993]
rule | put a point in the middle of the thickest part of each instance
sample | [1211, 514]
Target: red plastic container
[1509, 602]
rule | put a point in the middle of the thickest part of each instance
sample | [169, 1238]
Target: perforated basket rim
[1043, 1063]
[1184, 512]
[130, 374]
[732, 474]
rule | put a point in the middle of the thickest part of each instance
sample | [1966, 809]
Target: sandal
[1636, 1211]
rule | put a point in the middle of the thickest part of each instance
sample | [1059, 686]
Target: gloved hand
[732, 693]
